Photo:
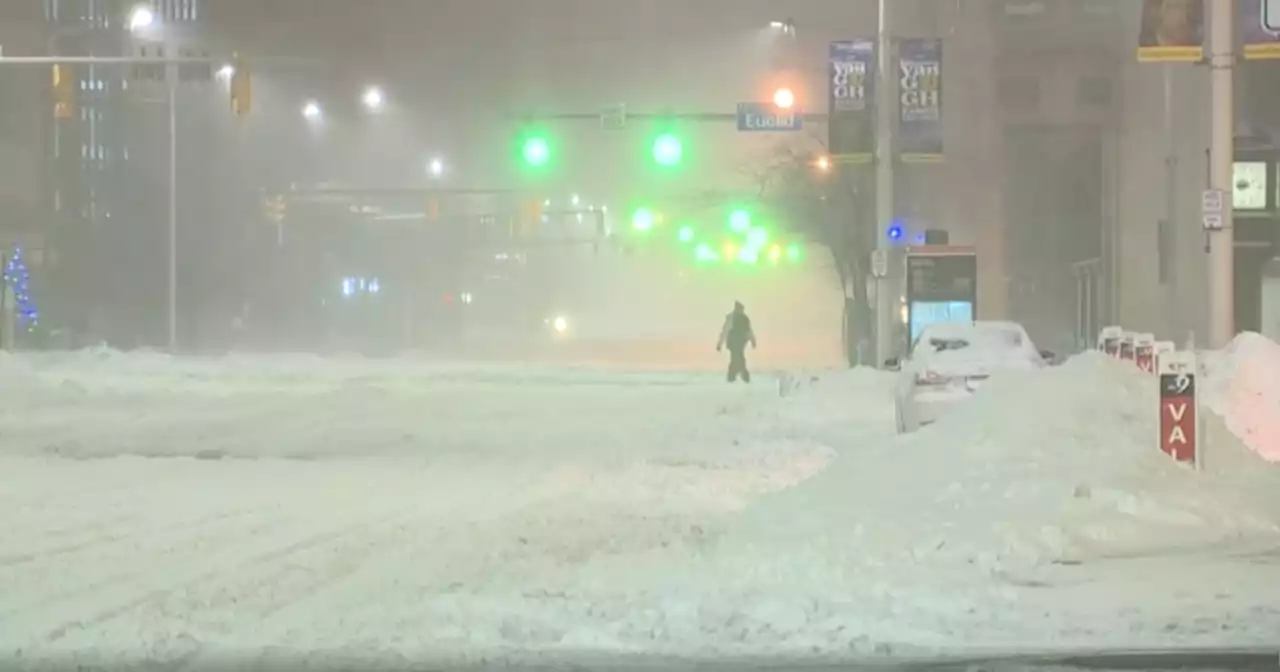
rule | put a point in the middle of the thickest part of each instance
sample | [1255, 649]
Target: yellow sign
[241, 88]
[64, 92]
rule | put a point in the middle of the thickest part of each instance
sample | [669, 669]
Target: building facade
[106, 185]
[1077, 170]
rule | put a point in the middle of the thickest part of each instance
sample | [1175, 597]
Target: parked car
[949, 362]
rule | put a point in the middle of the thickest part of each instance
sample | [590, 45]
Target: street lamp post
[171, 82]
[142, 19]
[885, 98]
[373, 99]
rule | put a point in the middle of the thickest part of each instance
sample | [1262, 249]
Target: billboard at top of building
[1174, 31]
[920, 100]
[851, 100]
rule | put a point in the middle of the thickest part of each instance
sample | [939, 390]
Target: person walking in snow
[736, 334]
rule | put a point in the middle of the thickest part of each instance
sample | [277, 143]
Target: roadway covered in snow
[272, 508]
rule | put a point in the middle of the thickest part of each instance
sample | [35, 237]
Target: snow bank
[1042, 479]
[1243, 387]
[430, 511]
[1038, 468]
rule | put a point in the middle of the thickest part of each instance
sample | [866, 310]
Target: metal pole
[173, 209]
[885, 97]
[1173, 293]
[1221, 264]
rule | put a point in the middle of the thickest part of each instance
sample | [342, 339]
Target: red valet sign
[1179, 407]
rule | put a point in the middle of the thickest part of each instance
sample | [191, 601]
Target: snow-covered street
[273, 508]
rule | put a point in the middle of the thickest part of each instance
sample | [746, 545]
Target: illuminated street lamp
[311, 111]
[226, 72]
[141, 18]
[784, 98]
[823, 163]
[436, 167]
[373, 99]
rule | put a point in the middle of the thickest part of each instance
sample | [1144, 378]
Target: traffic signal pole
[886, 97]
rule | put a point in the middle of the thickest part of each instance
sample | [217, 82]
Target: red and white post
[1179, 408]
[1126, 346]
[1109, 341]
[1144, 352]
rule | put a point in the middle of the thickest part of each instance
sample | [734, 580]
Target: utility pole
[1170, 235]
[886, 96]
[1221, 248]
[171, 82]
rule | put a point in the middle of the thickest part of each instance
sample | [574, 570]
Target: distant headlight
[560, 324]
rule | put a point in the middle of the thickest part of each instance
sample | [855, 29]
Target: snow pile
[408, 511]
[1040, 467]
[933, 539]
[1243, 387]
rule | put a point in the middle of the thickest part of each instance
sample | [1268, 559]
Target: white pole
[173, 209]
[1221, 265]
[1173, 294]
[885, 98]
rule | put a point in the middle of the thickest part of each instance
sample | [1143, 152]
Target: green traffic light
[739, 221]
[705, 253]
[667, 150]
[642, 219]
[686, 234]
[757, 237]
[536, 151]
[793, 253]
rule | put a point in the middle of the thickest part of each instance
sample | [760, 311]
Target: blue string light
[18, 279]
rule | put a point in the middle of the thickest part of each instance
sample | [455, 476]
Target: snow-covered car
[949, 362]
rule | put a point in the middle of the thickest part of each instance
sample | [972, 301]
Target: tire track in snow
[129, 589]
[93, 541]
[338, 571]
[424, 545]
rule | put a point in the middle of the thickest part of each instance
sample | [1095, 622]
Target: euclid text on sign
[1179, 406]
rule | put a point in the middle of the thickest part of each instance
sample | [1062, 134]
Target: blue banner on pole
[851, 101]
[920, 100]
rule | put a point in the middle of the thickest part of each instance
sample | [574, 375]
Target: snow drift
[1244, 389]
[384, 511]
[1038, 468]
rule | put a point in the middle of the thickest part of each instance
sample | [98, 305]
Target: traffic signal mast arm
[676, 116]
